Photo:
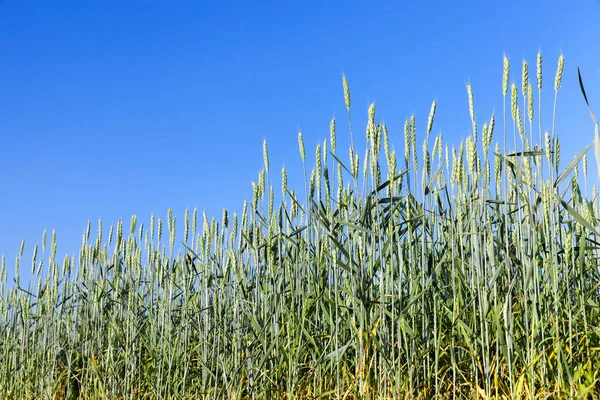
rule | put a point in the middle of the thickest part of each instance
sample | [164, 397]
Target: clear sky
[113, 108]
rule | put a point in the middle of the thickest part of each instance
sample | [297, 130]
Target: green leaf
[571, 165]
[576, 215]
[337, 352]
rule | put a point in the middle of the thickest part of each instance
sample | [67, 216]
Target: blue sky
[113, 108]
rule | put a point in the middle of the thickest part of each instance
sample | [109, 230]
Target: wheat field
[439, 272]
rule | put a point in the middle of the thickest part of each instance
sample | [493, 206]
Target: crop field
[439, 271]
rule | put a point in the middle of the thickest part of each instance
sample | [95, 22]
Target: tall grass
[448, 272]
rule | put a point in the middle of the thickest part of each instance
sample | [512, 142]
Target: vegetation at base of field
[451, 272]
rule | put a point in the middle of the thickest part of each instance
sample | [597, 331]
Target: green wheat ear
[186, 224]
[301, 146]
[266, 155]
[525, 78]
[346, 92]
[283, 182]
[514, 101]
[472, 110]
[530, 102]
[539, 70]
[332, 138]
[431, 116]
[559, 73]
[505, 75]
